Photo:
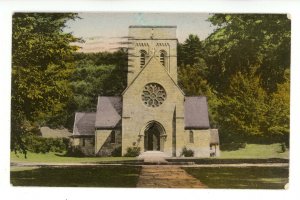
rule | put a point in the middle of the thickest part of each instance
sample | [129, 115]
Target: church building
[153, 113]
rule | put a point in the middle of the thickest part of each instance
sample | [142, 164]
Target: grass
[241, 178]
[257, 151]
[79, 176]
[17, 169]
[251, 151]
[127, 176]
[60, 158]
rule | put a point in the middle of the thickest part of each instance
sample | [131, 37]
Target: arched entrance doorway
[154, 135]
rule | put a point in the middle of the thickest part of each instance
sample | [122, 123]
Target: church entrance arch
[154, 134]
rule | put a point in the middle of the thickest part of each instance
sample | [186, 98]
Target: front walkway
[167, 177]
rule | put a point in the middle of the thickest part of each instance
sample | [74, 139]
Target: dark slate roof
[214, 136]
[196, 113]
[84, 124]
[109, 112]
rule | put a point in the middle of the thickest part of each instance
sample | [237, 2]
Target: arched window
[191, 137]
[162, 57]
[143, 54]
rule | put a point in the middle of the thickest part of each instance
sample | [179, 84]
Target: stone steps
[153, 157]
[159, 158]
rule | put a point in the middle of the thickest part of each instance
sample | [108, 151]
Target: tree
[242, 113]
[41, 66]
[192, 74]
[278, 115]
[247, 58]
[98, 74]
[243, 42]
[190, 52]
[192, 68]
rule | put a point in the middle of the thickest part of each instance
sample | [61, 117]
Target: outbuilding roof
[109, 111]
[84, 124]
[54, 133]
[196, 113]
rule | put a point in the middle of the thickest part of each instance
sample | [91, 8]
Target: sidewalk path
[36, 164]
[167, 177]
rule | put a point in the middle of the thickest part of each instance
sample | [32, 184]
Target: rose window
[153, 95]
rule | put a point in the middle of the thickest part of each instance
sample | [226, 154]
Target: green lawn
[80, 176]
[257, 151]
[251, 151]
[60, 158]
[241, 178]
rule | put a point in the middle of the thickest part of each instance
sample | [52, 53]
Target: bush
[39, 144]
[283, 147]
[133, 151]
[75, 151]
[187, 152]
[117, 152]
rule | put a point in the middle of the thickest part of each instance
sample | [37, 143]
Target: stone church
[153, 113]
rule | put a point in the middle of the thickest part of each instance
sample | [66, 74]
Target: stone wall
[85, 144]
[136, 115]
[215, 150]
[149, 39]
[200, 143]
[104, 145]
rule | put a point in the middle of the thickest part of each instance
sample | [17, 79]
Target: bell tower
[152, 41]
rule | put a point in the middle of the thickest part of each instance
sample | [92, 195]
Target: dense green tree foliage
[191, 51]
[246, 43]
[243, 109]
[192, 68]
[244, 68]
[278, 115]
[95, 74]
[98, 74]
[41, 65]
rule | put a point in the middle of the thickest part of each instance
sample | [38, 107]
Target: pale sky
[105, 31]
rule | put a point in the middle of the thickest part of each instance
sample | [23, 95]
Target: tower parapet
[148, 41]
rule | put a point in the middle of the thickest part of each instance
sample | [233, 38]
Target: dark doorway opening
[152, 138]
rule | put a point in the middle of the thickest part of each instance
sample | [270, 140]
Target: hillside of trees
[243, 68]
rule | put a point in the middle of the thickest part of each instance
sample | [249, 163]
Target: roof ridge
[108, 113]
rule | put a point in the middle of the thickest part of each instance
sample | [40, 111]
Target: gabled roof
[84, 124]
[146, 65]
[109, 111]
[196, 113]
[54, 133]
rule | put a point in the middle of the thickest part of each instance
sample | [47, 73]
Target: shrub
[187, 152]
[39, 144]
[117, 152]
[133, 151]
[75, 151]
[283, 147]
